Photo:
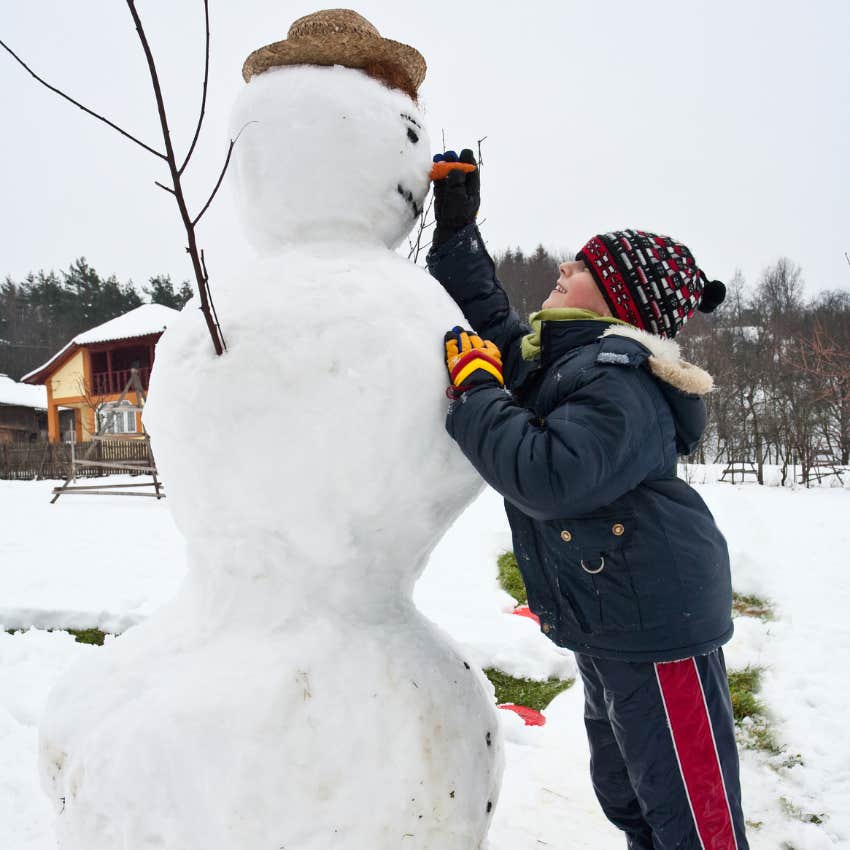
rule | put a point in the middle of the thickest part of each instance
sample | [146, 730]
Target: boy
[622, 560]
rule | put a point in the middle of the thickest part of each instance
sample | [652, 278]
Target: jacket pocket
[593, 570]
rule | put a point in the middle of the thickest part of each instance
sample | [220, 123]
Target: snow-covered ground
[110, 561]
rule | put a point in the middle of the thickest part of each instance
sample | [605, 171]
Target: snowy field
[110, 561]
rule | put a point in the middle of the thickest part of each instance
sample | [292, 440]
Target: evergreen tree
[161, 291]
[528, 280]
[42, 313]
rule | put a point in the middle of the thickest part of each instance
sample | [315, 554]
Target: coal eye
[412, 136]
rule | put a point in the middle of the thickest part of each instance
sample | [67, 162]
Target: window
[115, 418]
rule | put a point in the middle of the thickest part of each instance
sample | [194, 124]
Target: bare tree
[168, 155]
[825, 359]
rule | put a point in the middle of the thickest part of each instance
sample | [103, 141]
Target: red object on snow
[525, 611]
[531, 716]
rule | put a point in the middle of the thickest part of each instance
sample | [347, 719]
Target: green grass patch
[743, 685]
[749, 711]
[527, 692]
[90, 636]
[750, 605]
[796, 812]
[510, 578]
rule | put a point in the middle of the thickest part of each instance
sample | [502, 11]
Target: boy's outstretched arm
[590, 450]
[459, 261]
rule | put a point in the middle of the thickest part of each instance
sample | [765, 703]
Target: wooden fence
[26, 461]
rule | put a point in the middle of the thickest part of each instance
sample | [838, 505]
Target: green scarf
[531, 342]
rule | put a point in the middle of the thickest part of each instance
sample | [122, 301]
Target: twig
[70, 99]
[550, 791]
[480, 157]
[233, 142]
[206, 81]
[207, 284]
[192, 248]
[198, 263]
[416, 247]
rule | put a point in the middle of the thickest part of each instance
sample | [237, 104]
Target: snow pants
[663, 758]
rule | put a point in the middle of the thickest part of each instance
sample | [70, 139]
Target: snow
[791, 546]
[92, 571]
[795, 550]
[144, 320]
[276, 685]
[22, 395]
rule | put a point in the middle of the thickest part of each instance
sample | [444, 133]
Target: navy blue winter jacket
[621, 558]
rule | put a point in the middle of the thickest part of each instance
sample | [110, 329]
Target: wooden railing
[109, 383]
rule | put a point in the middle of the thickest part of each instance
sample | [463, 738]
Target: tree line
[780, 361]
[40, 314]
[781, 364]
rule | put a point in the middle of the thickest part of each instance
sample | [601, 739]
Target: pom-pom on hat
[650, 281]
[336, 37]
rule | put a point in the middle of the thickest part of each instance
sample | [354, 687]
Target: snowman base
[212, 760]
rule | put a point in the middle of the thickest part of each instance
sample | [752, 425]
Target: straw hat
[335, 37]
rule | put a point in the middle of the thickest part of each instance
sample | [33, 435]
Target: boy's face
[576, 287]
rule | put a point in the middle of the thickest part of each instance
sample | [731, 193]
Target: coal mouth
[408, 196]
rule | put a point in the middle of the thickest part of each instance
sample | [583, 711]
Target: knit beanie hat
[650, 281]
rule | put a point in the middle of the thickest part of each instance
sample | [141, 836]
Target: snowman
[291, 697]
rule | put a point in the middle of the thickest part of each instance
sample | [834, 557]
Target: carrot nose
[440, 170]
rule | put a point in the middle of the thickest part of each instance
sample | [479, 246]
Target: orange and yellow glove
[471, 361]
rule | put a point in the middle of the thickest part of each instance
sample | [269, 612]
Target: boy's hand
[471, 360]
[457, 193]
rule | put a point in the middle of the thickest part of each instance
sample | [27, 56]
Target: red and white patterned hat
[650, 281]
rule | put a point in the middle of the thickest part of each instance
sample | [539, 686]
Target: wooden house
[94, 368]
[23, 412]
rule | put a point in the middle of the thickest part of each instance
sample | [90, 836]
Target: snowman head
[326, 151]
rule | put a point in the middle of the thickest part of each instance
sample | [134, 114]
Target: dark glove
[457, 193]
[471, 361]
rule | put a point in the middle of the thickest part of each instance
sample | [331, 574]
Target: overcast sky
[723, 123]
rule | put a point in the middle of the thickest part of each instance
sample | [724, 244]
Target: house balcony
[113, 383]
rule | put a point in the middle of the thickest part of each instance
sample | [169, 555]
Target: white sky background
[726, 124]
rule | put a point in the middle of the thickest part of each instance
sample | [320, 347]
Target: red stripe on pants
[693, 741]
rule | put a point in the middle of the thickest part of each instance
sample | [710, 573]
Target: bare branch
[206, 81]
[176, 189]
[215, 312]
[424, 224]
[85, 109]
[163, 120]
[480, 157]
[188, 224]
[233, 142]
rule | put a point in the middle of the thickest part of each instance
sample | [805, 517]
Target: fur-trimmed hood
[682, 384]
[665, 361]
